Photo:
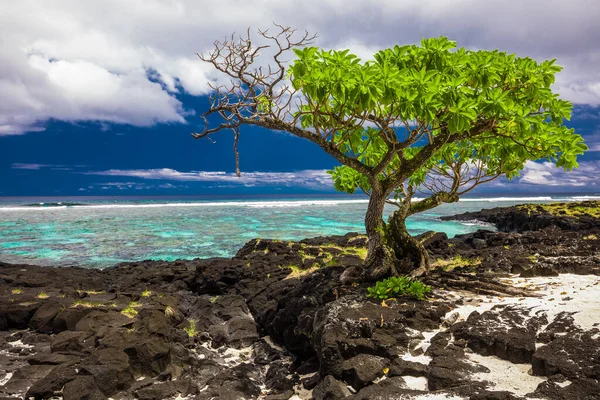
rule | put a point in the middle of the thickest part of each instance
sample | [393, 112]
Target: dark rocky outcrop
[574, 216]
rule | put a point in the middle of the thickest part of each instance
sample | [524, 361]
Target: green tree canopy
[429, 118]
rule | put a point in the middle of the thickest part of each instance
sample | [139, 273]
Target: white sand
[583, 291]
[20, 344]
[437, 396]
[416, 382]
[504, 375]
[422, 359]
[6, 378]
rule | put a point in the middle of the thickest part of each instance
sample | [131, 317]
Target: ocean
[97, 232]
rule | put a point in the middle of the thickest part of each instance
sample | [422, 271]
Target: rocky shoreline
[512, 315]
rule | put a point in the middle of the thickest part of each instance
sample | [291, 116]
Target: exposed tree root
[475, 284]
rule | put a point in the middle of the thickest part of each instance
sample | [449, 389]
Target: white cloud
[37, 167]
[547, 174]
[593, 142]
[89, 60]
[29, 166]
[306, 178]
[131, 185]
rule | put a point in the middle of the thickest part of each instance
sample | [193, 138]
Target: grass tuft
[86, 304]
[129, 312]
[90, 292]
[581, 209]
[297, 272]
[455, 262]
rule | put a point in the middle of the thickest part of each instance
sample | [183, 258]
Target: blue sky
[105, 106]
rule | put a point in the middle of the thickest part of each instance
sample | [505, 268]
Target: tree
[428, 118]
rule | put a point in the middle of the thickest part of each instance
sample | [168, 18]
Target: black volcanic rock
[330, 389]
[42, 320]
[83, 388]
[576, 355]
[361, 370]
[506, 332]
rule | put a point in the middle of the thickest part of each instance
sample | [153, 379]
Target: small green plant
[17, 291]
[590, 237]
[135, 304]
[191, 330]
[533, 259]
[398, 286]
[42, 295]
[213, 299]
[146, 293]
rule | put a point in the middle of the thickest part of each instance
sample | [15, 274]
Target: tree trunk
[412, 257]
[380, 260]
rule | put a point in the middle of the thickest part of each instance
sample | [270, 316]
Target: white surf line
[265, 204]
[251, 204]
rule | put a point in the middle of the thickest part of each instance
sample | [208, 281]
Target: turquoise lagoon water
[101, 232]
